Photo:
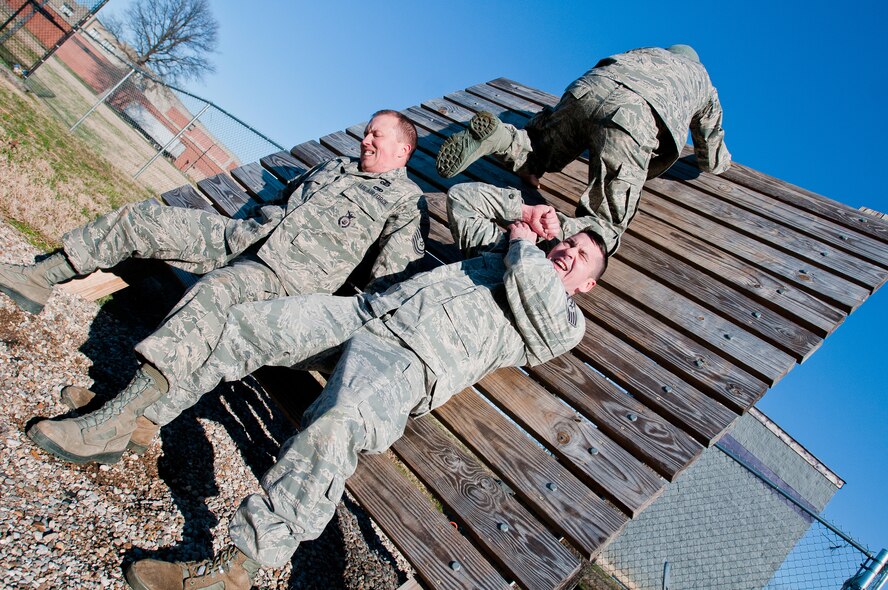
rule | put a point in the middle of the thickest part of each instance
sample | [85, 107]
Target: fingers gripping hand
[542, 219]
[522, 231]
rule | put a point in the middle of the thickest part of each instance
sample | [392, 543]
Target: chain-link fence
[165, 136]
[821, 559]
[31, 29]
[725, 525]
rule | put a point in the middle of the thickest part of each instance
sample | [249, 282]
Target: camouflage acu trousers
[618, 128]
[188, 238]
[187, 336]
[191, 239]
[375, 386]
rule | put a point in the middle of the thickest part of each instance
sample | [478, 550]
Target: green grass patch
[30, 133]
[34, 236]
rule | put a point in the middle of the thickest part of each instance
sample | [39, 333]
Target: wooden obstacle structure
[722, 284]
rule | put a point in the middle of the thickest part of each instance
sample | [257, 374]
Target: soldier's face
[381, 149]
[576, 260]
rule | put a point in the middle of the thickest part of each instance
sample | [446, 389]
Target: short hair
[406, 128]
[599, 241]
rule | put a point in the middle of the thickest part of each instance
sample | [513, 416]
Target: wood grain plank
[341, 143]
[283, 165]
[554, 494]
[827, 230]
[696, 364]
[97, 284]
[599, 461]
[768, 290]
[188, 197]
[421, 533]
[472, 103]
[747, 351]
[798, 233]
[719, 297]
[642, 432]
[259, 182]
[311, 152]
[664, 391]
[802, 198]
[512, 101]
[526, 92]
[526, 549]
[227, 196]
[820, 283]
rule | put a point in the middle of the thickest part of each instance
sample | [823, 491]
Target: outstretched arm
[477, 212]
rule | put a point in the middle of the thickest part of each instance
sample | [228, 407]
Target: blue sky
[803, 86]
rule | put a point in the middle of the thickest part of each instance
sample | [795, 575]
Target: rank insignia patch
[346, 219]
[572, 312]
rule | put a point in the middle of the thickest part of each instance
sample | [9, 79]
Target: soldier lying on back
[631, 111]
[400, 353]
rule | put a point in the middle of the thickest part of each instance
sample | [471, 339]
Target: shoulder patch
[572, 313]
[418, 242]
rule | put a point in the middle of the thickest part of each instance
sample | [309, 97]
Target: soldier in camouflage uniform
[334, 214]
[403, 352]
[631, 111]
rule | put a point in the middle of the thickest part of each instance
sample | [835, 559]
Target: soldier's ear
[587, 286]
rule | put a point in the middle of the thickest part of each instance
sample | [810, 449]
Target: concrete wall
[717, 525]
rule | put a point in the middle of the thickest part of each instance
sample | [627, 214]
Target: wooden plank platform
[722, 284]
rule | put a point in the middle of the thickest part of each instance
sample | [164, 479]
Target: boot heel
[483, 125]
[136, 448]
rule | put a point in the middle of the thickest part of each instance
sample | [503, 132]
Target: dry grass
[51, 181]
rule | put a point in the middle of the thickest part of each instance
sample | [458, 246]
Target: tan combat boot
[102, 436]
[486, 135]
[229, 570]
[146, 431]
[30, 285]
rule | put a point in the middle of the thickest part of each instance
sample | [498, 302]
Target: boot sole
[52, 448]
[132, 579]
[458, 149]
[23, 302]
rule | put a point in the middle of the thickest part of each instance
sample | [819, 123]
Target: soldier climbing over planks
[631, 111]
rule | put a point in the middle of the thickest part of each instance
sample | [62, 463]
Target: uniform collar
[352, 166]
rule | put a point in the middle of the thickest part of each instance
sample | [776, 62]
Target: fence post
[101, 100]
[4, 38]
[868, 572]
[170, 142]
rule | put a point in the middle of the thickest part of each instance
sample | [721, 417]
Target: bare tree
[171, 37]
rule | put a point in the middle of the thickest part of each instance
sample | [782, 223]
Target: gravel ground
[70, 526]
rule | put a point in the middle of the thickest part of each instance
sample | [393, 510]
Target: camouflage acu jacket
[680, 93]
[334, 214]
[504, 307]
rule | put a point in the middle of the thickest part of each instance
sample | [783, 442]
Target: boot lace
[220, 564]
[115, 406]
